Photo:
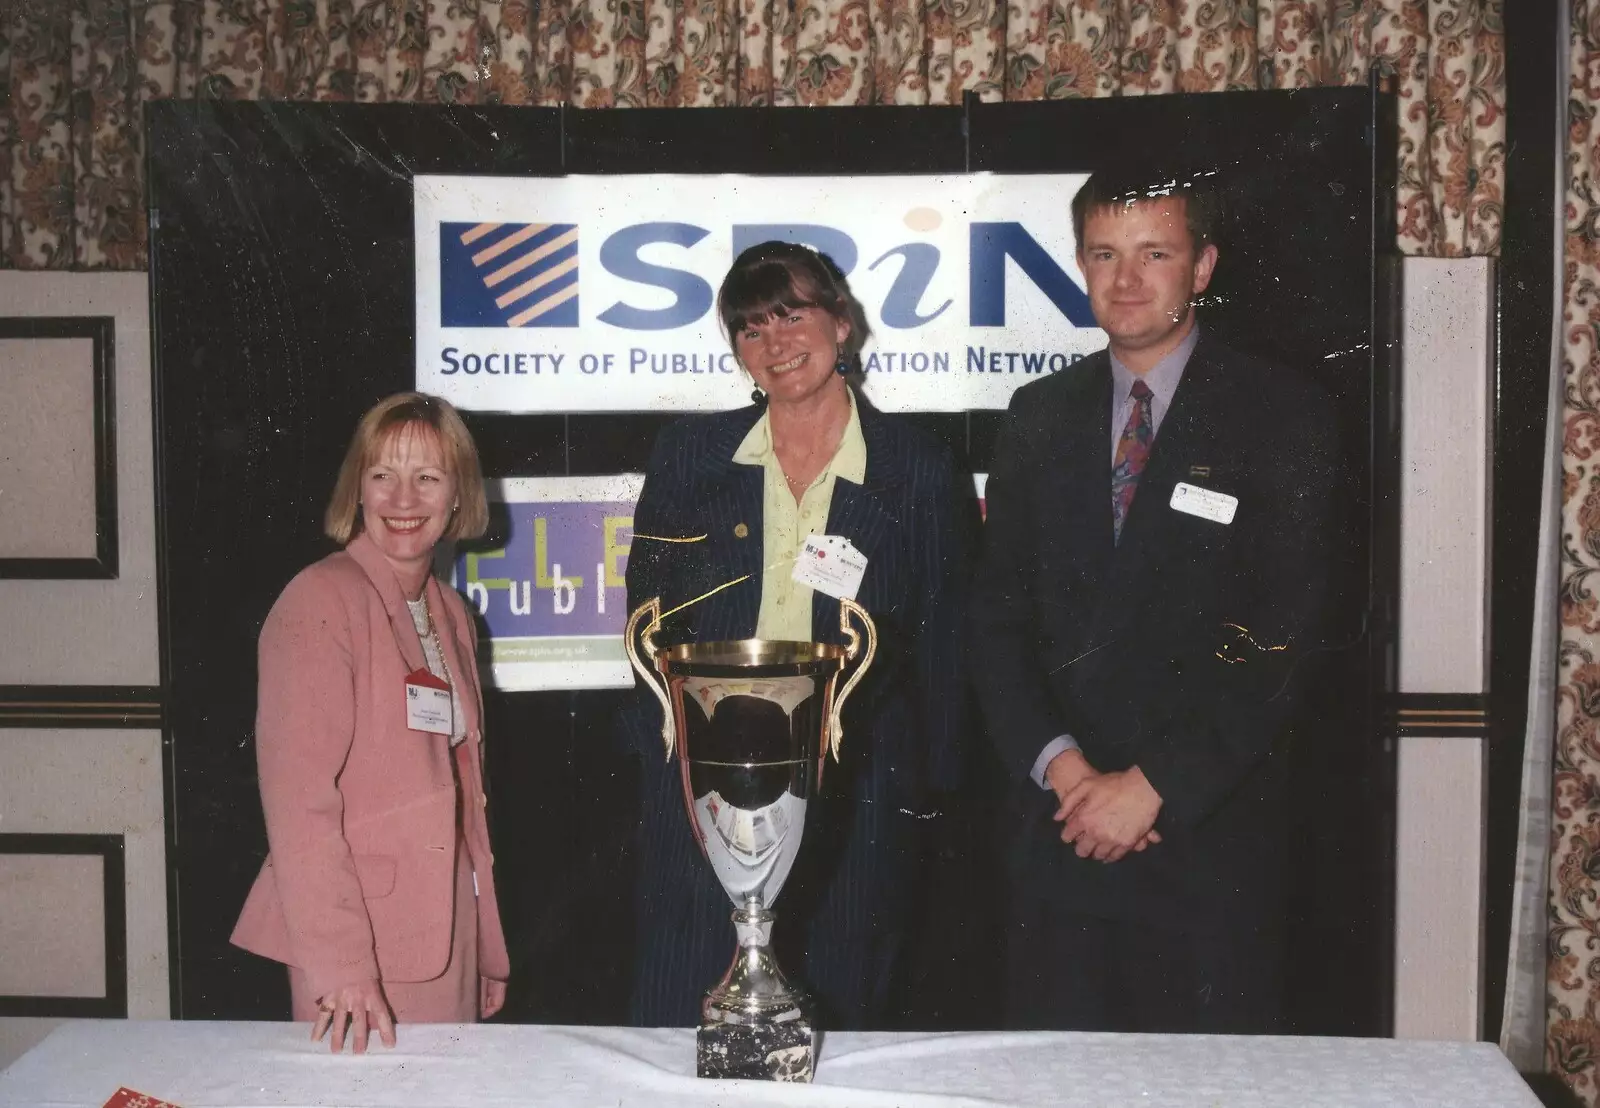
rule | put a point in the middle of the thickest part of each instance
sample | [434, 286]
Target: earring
[843, 368]
[758, 398]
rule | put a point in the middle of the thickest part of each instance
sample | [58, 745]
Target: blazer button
[741, 531]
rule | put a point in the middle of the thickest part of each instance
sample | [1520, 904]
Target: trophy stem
[754, 1024]
[754, 989]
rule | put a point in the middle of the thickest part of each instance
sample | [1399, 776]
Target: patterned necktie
[1133, 450]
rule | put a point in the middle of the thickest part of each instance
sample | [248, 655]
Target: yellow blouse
[786, 605]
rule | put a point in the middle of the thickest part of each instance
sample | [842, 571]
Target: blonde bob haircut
[392, 416]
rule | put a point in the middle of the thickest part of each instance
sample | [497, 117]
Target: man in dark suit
[1159, 524]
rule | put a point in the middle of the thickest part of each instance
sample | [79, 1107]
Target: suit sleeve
[305, 723]
[1241, 689]
[1019, 711]
[942, 568]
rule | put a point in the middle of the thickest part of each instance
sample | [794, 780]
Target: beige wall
[81, 780]
[93, 632]
[1444, 589]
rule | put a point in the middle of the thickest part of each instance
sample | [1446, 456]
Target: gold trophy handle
[633, 640]
[848, 607]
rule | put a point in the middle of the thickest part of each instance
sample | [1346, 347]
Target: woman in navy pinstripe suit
[810, 456]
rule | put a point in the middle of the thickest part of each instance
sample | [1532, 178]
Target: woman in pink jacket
[378, 892]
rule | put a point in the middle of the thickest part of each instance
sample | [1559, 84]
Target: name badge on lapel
[831, 565]
[1218, 507]
[428, 703]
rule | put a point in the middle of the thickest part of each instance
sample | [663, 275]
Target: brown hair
[392, 416]
[771, 278]
[1125, 184]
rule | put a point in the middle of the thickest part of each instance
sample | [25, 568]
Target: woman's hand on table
[491, 996]
[361, 1006]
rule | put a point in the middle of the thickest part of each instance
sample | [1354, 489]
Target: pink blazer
[361, 810]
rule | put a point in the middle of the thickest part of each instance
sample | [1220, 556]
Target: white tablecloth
[245, 1065]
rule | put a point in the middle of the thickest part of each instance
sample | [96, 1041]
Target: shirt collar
[849, 461]
[1163, 377]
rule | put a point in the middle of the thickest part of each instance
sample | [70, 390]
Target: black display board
[281, 266]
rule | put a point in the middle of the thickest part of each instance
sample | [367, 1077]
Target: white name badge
[1218, 507]
[428, 704]
[831, 565]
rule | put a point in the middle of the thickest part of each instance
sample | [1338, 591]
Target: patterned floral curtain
[1573, 1023]
[74, 73]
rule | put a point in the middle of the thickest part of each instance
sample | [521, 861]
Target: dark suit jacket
[1179, 649]
[902, 725]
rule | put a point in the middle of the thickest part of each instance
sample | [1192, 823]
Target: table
[252, 1065]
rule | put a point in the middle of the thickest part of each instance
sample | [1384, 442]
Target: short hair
[392, 416]
[774, 277]
[1125, 184]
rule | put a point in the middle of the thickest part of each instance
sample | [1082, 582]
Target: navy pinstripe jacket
[902, 726]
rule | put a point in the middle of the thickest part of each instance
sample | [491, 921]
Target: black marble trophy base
[769, 1052]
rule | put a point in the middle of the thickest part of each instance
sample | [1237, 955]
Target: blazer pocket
[376, 873]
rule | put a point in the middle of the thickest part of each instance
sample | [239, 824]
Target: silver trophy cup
[752, 723]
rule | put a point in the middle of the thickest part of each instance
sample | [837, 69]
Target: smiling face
[1143, 273]
[407, 495]
[793, 353]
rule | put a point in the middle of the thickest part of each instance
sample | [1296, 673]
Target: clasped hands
[361, 1006]
[1103, 815]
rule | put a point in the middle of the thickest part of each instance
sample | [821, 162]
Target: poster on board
[551, 596]
[590, 294]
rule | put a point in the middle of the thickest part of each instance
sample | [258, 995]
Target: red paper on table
[127, 1098]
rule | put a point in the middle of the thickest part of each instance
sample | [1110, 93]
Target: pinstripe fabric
[843, 910]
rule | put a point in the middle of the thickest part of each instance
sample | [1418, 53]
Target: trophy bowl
[752, 723]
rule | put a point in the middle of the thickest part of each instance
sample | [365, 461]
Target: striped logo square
[508, 274]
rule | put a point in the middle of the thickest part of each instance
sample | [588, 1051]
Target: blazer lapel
[732, 612]
[732, 495]
[381, 574]
[1075, 476]
[455, 659]
[1146, 532]
[863, 513]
